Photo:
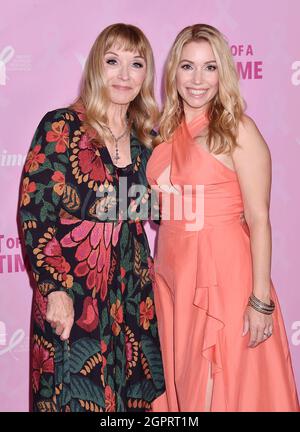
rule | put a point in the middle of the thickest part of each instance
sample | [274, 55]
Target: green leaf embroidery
[59, 167]
[26, 216]
[130, 287]
[50, 207]
[39, 196]
[47, 387]
[124, 239]
[131, 309]
[40, 186]
[110, 359]
[29, 238]
[46, 392]
[112, 297]
[52, 217]
[75, 406]
[84, 389]
[63, 158]
[153, 357]
[43, 214]
[55, 198]
[104, 319]
[49, 149]
[77, 288]
[48, 126]
[144, 390]
[81, 351]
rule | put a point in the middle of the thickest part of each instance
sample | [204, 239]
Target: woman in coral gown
[222, 333]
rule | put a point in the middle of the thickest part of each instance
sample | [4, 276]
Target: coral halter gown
[203, 277]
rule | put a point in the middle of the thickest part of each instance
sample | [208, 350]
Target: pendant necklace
[116, 141]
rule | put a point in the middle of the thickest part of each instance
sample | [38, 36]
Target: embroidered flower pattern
[59, 134]
[34, 159]
[28, 188]
[42, 360]
[103, 265]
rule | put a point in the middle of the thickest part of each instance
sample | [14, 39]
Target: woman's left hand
[260, 326]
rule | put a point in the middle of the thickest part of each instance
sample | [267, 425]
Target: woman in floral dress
[95, 343]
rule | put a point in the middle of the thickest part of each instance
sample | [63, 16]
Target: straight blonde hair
[93, 99]
[227, 107]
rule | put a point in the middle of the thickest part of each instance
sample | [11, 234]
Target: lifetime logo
[12, 262]
[296, 334]
[11, 160]
[13, 342]
[295, 78]
[2, 333]
[247, 70]
[5, 56]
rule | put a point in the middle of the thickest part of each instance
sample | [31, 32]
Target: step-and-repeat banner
[43, 48]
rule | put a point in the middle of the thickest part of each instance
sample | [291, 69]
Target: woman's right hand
[60, 313]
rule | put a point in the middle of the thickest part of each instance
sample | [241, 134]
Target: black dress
[79, 241]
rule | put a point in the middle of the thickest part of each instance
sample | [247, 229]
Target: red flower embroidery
[128, 346]
[93, 241]
[103, 346]
[42, 361]
[54, 257]
[34, 159]
[60, 135]
[110, 399]
[146, 313]
[89, 161]
[49, 255]
[90, 316]
[27, 188]
[40, 309]
[123, 274]
[59, 179]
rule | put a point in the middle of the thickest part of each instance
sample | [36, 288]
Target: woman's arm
[42, 189]
[253, 166]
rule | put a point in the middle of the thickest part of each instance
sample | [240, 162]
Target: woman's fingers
[60, 314]
[59, 329]
[67, 330]
[261, 327]
[253, 337]
[246, 325]
[63, 328]
[260, 336]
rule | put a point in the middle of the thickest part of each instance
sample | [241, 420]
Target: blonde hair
[227, 107]
[142, 111]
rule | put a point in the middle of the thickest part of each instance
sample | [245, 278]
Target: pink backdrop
[43, 46]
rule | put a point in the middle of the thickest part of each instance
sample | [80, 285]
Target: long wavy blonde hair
[225, 110]
[93, 99]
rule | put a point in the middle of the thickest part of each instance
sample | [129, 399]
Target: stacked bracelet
[260, 306]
